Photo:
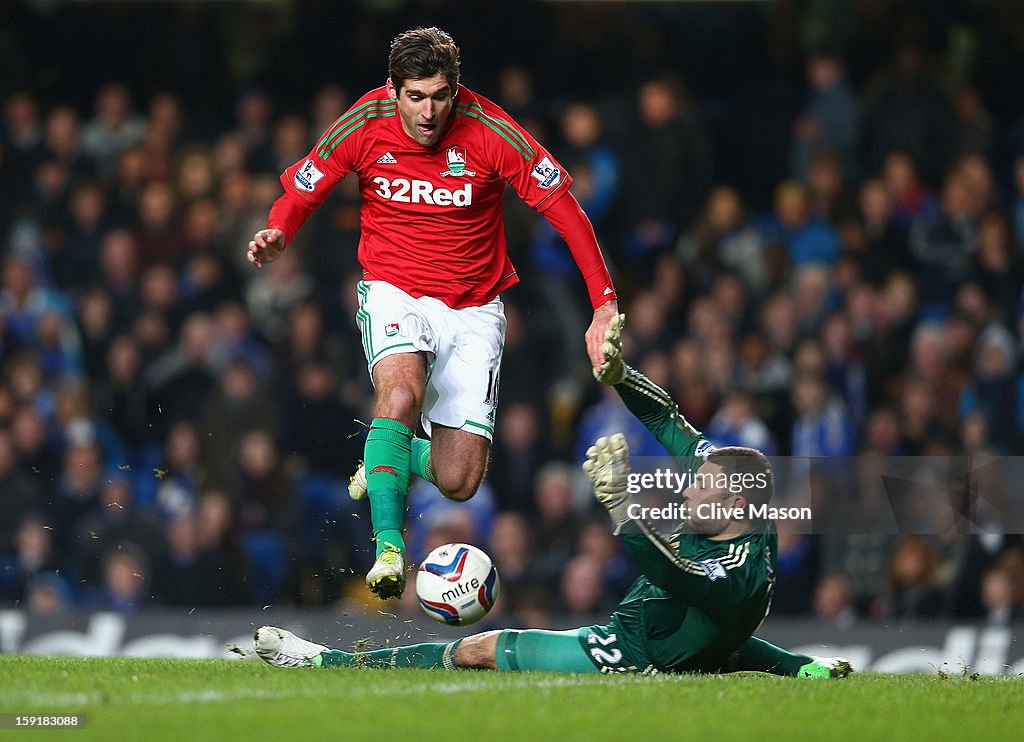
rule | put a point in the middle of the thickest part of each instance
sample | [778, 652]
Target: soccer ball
[457, 584]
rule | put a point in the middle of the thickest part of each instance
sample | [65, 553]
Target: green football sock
[430, 656]
[386, 457]
[539, 649]
[758, 655]
[421, 466]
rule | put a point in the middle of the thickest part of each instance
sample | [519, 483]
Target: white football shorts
[464, 349]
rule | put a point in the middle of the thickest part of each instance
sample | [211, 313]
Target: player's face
[707, 501]
[424, 105]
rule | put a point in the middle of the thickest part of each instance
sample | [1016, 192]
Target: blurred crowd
[176, 427]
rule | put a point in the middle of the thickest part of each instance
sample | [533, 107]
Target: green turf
[247, 700]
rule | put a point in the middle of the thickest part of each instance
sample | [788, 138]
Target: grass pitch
[246, 700]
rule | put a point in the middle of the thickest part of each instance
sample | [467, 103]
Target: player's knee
[477, 652]
[399, 402]
[458, 494]
[458, 484]
[460, 463]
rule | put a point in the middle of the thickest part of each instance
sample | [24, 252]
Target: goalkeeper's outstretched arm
[651, 404]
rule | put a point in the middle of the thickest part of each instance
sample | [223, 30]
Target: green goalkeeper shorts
[587, 649]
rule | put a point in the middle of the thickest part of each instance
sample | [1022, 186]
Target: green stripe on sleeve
[327, 148]
[501, 132]
[509, 129]
[350, 116]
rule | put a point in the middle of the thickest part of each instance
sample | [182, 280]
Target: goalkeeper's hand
[612, 371]
[607, 468]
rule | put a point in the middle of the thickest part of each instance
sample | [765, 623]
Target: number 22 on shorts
[602, 654]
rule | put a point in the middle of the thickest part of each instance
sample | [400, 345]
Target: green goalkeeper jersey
[698, 598]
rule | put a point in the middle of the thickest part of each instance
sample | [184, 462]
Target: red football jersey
[431, 217]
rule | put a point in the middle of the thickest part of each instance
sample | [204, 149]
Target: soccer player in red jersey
[432, 158]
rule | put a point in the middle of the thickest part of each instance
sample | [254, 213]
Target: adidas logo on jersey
[387, 159]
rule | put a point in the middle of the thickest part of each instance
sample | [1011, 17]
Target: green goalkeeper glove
[612, 370]
[607, 468]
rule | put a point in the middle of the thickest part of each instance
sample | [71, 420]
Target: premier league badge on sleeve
[546, 173]
[704, 448]
[307, 176]
[714, 570]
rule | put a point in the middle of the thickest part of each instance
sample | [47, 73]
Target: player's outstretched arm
[266, 246]
[567, 217]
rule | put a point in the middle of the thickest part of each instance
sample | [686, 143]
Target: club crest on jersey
[391, 329]
[455, 157]
[307, 176]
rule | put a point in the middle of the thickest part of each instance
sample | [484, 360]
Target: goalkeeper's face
[424, 105]
[711, 508]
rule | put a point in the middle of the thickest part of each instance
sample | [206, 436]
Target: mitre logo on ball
[457, 584]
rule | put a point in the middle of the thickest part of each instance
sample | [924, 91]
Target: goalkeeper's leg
[541, 650]
[427, 656]
[507, 651]
[282, 648]
[757, 655]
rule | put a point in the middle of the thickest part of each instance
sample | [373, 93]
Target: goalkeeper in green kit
[702, 594]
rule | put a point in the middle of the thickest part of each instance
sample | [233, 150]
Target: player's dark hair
[737, 461]
[423, 52]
